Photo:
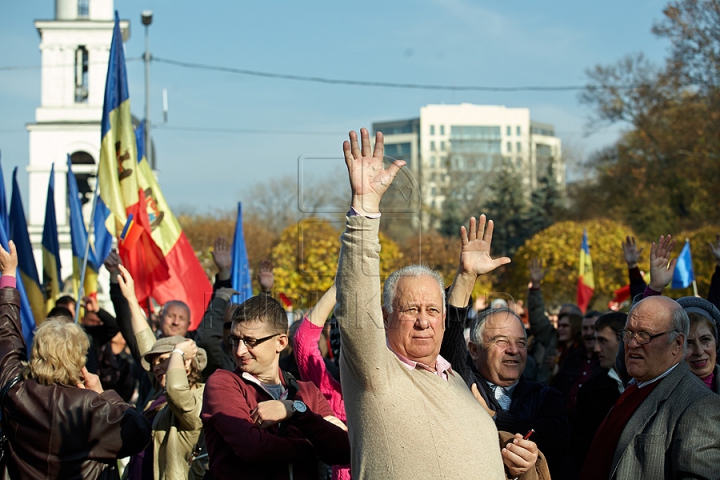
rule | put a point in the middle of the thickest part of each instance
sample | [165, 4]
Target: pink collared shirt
[442, 367]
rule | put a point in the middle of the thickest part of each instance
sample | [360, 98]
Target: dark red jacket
[60, 431]
[239, 448]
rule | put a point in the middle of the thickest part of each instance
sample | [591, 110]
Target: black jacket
[533, 405]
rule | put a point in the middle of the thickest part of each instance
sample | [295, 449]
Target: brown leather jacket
[58, 431]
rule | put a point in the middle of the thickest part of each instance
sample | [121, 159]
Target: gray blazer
[674, 434]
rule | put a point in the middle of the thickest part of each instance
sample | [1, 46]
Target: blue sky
[453, 42]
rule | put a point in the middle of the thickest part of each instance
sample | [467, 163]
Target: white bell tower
[75, 47]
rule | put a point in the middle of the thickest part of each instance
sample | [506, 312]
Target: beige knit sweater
[404, 424]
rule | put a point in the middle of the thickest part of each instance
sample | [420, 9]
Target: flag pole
[87, 247]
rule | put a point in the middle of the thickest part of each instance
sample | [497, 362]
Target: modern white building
[467, 143]
[75, 47]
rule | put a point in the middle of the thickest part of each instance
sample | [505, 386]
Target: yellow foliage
[559, 248]
[306, 260]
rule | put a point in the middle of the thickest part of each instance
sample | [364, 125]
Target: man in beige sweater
[409, 414]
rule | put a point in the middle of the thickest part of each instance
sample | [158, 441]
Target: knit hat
[167, 345]
[701, 307]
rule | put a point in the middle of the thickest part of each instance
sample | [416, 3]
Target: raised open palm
[369, 179]
[475, 254]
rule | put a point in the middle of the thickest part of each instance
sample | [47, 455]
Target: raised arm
[210, 330]
[140, 326]
[540, 325]
[475, 260]
[661, 267]
[359, 310]
[223, 261]
[632, 253]
[120, 303]
[12, 343]
[310, 362]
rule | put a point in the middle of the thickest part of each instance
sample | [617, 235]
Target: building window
[433, 191]
[399, 151]
[442, 129]
[81, 75]
[432, 145]
[518, 162]
[83, 8]
[509, 147]
[442, 146]
[432, 129]
[432, 204]
[508, 131]
[518, 131]
[433, 177]
[433, 162]
[518, 147]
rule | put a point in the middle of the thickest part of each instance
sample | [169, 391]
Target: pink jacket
[312, 369]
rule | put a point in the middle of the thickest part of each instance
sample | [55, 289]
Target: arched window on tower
[84, 170]
[81, 75]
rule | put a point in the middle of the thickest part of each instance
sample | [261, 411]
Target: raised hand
[369, 180]
[222, 257]
[475, 253]
[537, 272]
[715, 249]
[8, 260]
[91, 304]
[266, 277]
[661, 272]
[127, 284]
[520, 455]
[111, 263]
[631, 251]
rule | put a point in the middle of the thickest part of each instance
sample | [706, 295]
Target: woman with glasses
[175, 364]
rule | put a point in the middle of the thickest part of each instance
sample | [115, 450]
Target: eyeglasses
[642, 338]
[249, 342]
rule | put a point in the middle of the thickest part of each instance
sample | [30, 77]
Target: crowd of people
[408, 379]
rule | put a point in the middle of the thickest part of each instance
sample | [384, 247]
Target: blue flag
[3, 202]
[52, 282]
[26, 258]
[26, 316]
[240, 271]
[684, 274]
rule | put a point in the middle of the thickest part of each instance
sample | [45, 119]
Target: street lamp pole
[147, 17]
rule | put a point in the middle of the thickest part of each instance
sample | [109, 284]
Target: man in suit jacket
[665, 423]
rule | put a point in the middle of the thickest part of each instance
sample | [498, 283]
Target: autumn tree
[664, 172]
[559, 248]
[306, 260]
[202, 230]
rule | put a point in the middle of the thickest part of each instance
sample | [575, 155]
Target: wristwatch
[298, 408]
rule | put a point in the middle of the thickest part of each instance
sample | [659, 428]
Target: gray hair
[390, 287]
[174, 303]
[478, 326]
[680, 324]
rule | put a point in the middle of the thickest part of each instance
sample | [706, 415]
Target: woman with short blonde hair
[58, 354]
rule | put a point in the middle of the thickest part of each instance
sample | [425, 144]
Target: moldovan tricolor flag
[52, 283]
[586, 281]
[188, 281]
[26, 259]
[118, 176]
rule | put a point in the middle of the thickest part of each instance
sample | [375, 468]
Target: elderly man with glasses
[259, 422]
[665, 423]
